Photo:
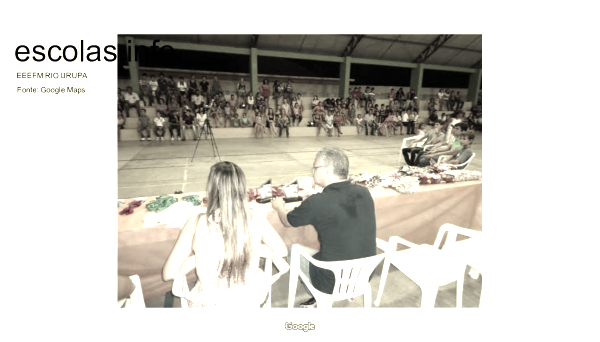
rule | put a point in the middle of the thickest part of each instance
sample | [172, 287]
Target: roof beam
[352, 44]
[432, 47]
[477, 65]
[418, 43]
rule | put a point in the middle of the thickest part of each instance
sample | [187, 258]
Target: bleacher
[130, 131]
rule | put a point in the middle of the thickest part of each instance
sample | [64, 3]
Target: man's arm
[278, 205]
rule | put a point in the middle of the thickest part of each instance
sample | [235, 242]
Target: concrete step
[244, 132]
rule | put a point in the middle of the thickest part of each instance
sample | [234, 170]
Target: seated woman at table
[224, 246]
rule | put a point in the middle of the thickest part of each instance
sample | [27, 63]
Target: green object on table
[195, 199]
[161, 203]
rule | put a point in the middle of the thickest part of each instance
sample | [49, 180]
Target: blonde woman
[224, 245]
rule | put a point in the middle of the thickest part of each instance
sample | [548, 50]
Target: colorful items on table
[161, 203]
[195, 199]
[129, 209]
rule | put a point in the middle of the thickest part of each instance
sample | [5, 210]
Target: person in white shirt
[441, 102]
[200, 124]
[153, 88]
[159, 129]
[182, 87]
[197, 100]
[131, 100]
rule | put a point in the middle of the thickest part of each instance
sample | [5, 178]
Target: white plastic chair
[351, 278]
[136, 299]
[428, 266]
[471, 253]
[459, 166]
[181, 289]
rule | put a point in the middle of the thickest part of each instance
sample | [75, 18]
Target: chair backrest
[350, 275]
[136, 299]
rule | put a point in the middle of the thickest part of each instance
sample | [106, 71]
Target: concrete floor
[148, 168]
[162, 167]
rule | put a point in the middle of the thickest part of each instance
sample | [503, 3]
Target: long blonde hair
[227, 206]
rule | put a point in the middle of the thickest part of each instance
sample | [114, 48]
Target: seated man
[188, 122]
[159, 126]
[432, 137]
[432, 155]
[466, 140]
[343, 216]
[131, 100]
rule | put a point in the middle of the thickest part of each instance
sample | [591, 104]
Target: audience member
[172, 88]
[163, 87]
[144, 125]
[284, 123]
[204, 86]
[131, 100]
[443, 148]
[224, 245]
[193, 87]
[259, 127]
[244, 120]
[197, 100]
[466, 139]
[359, 124]
[288, 91]
[441, 101]
[459, 102]
[369, 121]
[200, 124]
[265, 91]
[434, 136]
[343, 216]
[159, 129]
[241, 90]
[120, 124]
[297, 114]
[174, 124]
[188, 122]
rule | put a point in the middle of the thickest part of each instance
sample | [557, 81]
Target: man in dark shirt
[343, 216]
[174, 124]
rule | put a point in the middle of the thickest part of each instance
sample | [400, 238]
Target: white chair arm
[394, 240]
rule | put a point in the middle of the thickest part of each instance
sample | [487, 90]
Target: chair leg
[268, 274]
[294, 269]
[384, 273]
[460, 283]
[428, 295]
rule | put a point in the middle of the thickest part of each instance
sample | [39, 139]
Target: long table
[416, 217]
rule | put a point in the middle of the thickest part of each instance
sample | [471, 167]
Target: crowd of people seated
[186, 104]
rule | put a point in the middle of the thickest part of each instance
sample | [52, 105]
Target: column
[254, 70]
[416, 79]
[134, 68]
[474, 85]
[344, 77]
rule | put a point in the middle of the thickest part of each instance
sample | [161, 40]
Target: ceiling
[460, 50]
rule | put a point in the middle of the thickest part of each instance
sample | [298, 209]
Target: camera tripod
[208, 131]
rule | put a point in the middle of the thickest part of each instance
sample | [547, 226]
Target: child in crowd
[228, 114]
[351, 114]
[397, 122]
[329, 123]
[215, 113]
[244, 122]
[297, 114]
[271, 123]
[337, 122]
[236, 121]
[434, 136]
[359, 124]
[259, 127]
